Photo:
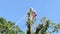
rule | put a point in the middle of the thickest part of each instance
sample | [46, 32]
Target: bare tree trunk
[29, 29]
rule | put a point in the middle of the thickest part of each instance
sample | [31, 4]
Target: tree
[42, 28]
[8, 27]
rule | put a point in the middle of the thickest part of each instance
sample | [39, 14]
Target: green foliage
[8, 27]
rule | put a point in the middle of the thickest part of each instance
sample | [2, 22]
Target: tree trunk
[29, 29]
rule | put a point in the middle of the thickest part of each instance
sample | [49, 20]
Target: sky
[15, 10]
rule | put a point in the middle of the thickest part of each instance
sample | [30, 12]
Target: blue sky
[14, 10]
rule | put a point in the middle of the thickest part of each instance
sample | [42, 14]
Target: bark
[29, 29]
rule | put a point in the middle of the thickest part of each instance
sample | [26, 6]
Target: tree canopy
[9, 27]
